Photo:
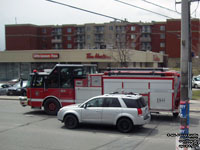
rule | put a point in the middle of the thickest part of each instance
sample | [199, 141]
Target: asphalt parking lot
[22, 128]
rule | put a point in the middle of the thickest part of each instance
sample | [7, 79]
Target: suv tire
[124, 125]
[71, 122]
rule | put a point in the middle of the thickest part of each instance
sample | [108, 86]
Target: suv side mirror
[85, 106]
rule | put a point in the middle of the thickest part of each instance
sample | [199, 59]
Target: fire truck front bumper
[23, 101]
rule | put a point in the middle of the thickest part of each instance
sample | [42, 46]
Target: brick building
[161, 37]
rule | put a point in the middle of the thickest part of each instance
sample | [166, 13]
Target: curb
[9, 98]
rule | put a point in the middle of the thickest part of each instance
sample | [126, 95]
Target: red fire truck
[159, 87]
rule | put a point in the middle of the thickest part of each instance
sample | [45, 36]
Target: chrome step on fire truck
[159, 87]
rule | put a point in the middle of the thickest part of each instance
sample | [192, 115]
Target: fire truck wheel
[124, 125]
[175, 115]
[71, 122]
[51, 106]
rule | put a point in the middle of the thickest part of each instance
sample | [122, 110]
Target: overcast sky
[42, 12]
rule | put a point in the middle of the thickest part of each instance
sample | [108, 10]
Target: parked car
[196, 82]
[13, 81]
[19, 89]
[3, 88]
[120, 110]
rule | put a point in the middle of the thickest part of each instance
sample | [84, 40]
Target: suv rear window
[132, 103]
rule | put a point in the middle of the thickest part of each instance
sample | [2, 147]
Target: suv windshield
[197, 79]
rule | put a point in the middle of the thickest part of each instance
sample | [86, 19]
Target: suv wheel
[196, 86]
[124, 125]
[71, 122]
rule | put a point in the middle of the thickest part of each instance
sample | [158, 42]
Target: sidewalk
[4, 97]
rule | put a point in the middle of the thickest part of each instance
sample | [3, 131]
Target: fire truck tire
[175, 115]
[124, 125]
[71, 122]
[51, 106]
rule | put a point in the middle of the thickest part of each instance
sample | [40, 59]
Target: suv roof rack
[126, 93]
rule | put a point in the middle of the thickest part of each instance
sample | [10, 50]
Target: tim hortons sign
[156, 58]
[46, 56]
[97, 56]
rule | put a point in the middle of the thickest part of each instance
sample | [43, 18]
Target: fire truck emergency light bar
[141, 73]
[138, 69]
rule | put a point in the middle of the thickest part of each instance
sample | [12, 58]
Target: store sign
[97, 56]
[156, 58]
[46, 56]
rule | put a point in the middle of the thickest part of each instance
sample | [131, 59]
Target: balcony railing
[79, 40]
[145, 39]
[99, 40]
[56, 40]
[146, 30]
[56, 33]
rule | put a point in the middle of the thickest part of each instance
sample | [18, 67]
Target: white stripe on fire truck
[67, 101]
[36, 100]
[41, 100]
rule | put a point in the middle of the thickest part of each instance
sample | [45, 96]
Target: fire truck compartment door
[161, 95]
[84, 93]
[125, 85]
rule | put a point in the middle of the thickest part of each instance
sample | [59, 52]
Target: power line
[92, 12]
[143, 9]
[161, 7]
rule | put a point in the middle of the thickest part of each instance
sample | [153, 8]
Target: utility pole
[186, 65]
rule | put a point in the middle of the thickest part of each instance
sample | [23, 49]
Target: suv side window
[97, 102]
[130, 103]
[111, 102]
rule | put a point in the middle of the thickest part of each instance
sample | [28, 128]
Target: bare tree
[123, 48]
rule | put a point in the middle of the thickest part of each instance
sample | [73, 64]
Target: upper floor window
[69, 30]
[110, 27]
[69, 45]
[162, 28]
[162, 44]
[162, 36]
[133, 36]
[132, 28]
[133, 45]
[44, 30]
[69, 38]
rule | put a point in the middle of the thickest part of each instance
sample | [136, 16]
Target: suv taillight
[139, 111]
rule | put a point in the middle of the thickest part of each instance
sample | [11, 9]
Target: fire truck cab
[55, 89]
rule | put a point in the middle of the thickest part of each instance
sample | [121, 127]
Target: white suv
[121, 110]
